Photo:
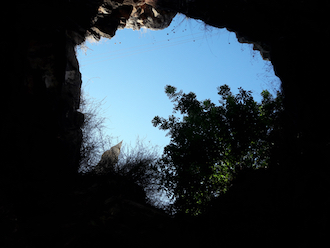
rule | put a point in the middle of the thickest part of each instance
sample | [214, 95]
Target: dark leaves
[210, 143]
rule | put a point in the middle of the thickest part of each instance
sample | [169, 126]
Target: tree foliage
[211, 143]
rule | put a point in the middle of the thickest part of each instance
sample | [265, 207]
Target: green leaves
[170, 90]
[210, 143]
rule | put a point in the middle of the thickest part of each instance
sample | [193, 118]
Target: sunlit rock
[108, 160]
[116, 14]
[145, 16]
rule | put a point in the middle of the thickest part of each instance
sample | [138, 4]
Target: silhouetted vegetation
[210, 144]
[135, 165]
[95, 141]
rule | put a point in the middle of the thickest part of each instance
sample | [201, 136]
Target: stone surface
[108, 160]
[116, 14]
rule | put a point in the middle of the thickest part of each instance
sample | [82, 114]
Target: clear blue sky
[131, 70]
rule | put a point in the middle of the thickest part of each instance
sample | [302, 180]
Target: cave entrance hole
[131, 70]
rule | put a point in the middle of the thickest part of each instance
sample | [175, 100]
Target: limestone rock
[108, 160]
[115, 14]
[146, 16]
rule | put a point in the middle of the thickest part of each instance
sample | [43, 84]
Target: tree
[210, 144]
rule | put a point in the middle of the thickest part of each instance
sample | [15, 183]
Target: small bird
[108, 160]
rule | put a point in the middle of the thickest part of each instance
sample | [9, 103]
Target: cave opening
[131, 70]
[128, 73]
[42, 124]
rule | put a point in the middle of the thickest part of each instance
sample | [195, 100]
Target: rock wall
[116, 14]
[43, 78]
[41, 128]
[41, 132]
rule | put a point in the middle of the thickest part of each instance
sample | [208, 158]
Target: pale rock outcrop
[115, 14]
[108, 160]
[146, 16]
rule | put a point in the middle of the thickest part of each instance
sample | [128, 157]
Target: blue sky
[131, 70]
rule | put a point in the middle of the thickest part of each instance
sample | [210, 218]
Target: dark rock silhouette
[41, 133]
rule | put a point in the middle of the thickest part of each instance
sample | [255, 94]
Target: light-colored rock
[113, 15]
[108, 160]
